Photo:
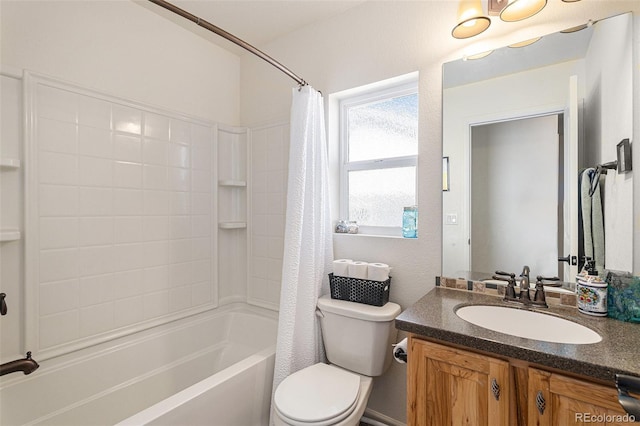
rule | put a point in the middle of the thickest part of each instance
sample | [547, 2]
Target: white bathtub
[214, 368]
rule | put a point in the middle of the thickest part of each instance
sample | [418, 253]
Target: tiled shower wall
[269, 164]
[120, 217]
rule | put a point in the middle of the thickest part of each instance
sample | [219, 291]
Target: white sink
[528, 324]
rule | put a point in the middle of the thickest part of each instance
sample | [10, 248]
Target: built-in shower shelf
[10, 163]
[9, 235]
[231, 182]
[232, 225]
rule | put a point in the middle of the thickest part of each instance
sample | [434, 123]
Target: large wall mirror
[532, 133]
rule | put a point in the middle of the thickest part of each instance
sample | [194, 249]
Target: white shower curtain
[308, 249]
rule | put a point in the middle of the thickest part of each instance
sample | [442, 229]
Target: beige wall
[380, 40]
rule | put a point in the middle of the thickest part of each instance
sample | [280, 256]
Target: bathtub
[215, 368]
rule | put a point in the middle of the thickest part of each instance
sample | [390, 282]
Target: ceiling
[257, 22]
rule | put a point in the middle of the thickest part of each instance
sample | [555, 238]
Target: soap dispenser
[591, 291]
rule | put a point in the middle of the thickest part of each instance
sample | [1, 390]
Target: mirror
[520, 126]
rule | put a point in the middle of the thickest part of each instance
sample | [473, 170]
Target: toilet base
[366, 384]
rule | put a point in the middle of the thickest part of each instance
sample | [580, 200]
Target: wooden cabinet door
[448, 386]
[555, 399]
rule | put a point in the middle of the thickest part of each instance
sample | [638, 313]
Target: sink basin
[528, 324]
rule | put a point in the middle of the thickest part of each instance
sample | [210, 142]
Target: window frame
[369, 96]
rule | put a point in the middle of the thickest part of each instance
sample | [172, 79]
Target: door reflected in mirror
[520, 126]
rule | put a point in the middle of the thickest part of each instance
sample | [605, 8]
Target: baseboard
[379, 417]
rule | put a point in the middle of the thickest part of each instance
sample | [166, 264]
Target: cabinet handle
[540, 402]
[495, 388]
[3, 304]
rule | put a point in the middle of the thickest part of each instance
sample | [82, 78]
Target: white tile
[97, 289]
[202, 270]
[156, 304]
[180, 132]
[156, 126]
[180, 250]
[59, 328]
[201, 226]
[94, 112]
[95, 202]
[276, 204]
[155, 152]
[200, 203]
[127, 202]
[156, 202]
[200, 181]
[260, 246]
[259, 203]
[155, 228]
[127, 311]
[179, 203]
[180, 298]
[201, 133]
[275, 225]
[201, 293]
[127, 175]
[275, 151]
[156, 177]
[259, 154]
[179, 179]
[179, 155]
[95, 231]
[201, 155]
[58, 297]
[56, 136]
[129, 283]
[155, 253]
[128, 256]
[179, 227]
[127, 148]
[156, 278]
[125, 119]
[259, 267]
[58, 232]
[259, 224]
[276, 182]
[96, 319]
[274, 269]
[200, 248]
[180, 274]
[95, 260]
[58, 200]
[56, 168]
[259, 183]
[58, 265]
[57, 104]
[94, 142]
[96, 171]
[127, 229]
[276, 247]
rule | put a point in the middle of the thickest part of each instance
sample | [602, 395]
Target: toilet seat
[318, 395]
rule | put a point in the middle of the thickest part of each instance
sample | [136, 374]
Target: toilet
[357, 340]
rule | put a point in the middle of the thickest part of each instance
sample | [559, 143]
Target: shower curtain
[308, 249]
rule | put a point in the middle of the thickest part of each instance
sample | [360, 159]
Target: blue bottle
[410, 222]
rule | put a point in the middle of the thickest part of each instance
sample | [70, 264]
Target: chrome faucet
[27, 365]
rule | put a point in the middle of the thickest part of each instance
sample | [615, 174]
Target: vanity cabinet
[555, 399]
[452, 386]
[449, 386]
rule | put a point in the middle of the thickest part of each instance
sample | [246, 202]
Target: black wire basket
[357, 290]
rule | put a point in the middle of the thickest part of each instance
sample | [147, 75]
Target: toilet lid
[317, 393]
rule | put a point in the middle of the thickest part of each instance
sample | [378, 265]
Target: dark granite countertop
[433, 316]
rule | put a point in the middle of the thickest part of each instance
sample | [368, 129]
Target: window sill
[363, 235]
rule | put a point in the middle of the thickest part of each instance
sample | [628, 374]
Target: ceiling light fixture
[471, 20]
[525, 43]
[517, 10]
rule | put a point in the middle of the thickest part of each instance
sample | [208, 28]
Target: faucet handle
[510, 274]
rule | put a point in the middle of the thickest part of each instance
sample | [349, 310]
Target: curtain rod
[222, 33]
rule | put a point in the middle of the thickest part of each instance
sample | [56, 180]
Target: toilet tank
[358, 337]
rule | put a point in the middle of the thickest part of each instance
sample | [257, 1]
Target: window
[379, 147]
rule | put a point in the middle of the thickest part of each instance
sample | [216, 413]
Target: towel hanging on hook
[601, 169]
